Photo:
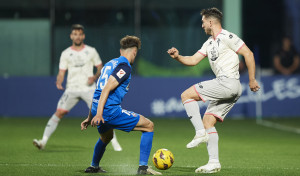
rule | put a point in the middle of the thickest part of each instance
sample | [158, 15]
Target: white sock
[114, 139]
[50, 128]
[193, 111]
[212, 145]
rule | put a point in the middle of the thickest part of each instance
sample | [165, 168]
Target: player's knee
[150, 126]
[184, 96]
[209, 122]
[61, 113]
[107, 137]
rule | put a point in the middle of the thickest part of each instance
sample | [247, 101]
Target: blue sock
[98, 152]
[145, 147]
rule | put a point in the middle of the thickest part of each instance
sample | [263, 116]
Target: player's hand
[59, 86]
[85, 124]
[253, 84]
[91, 80]
[173, 52]
[97, 120]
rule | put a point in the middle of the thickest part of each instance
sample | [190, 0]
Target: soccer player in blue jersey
[106, 112]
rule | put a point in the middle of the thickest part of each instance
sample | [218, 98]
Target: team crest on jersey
[214, 54]
[121, 73]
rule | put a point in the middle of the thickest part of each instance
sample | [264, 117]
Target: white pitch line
[278, 126]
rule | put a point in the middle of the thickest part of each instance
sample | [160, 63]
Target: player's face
[77, 36]
[206, 25]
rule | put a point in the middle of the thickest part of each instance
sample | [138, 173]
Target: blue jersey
[119, 68]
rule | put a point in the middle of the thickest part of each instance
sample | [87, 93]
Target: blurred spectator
[286, 60]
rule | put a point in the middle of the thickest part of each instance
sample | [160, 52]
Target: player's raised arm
[250, 62]
[112, 83]
[186, 60]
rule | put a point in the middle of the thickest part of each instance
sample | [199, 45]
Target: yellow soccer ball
[163, 159]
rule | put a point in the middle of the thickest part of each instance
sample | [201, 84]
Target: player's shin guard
[193, 111]
[98, 152]
[145, 147]
[212, 144]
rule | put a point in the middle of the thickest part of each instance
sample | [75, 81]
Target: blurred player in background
[106, 112]
[79, 60]
[222, 50]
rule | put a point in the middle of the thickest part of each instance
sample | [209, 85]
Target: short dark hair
[77, 27]
[212, 12]
[130, 41]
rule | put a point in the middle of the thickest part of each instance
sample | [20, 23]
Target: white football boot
[39, 144]
[197, 140]
[210, 167]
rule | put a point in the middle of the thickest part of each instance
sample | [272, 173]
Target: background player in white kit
[79, 60]
[222, 50]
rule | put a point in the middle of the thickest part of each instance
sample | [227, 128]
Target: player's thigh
[190, 93]
[218, 89]
[144, 124]
[87, 96]
[219, 109]
[67, 101]
[125, 121]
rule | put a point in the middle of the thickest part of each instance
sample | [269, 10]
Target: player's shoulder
[88, 47]
[66, 51]
[224, 34]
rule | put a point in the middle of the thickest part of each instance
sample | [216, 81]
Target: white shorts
[222, 92]
[69, 99]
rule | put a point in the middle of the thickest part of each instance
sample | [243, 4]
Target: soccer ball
[163, 159]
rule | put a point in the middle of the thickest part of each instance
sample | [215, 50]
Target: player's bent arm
[190, 60]
[111, 84]
[250, 62]
[60, 78]
[97, 74]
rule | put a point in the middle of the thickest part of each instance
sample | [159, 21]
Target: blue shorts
[125, 121]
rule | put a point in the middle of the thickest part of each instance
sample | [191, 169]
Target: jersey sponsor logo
[121, 73]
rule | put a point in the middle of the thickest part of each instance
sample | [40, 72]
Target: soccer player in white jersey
[79, 60]
[221, 49]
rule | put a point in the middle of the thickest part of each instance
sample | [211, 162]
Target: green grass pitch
[245, 148]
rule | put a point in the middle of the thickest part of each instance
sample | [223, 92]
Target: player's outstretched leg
[49, 129]
[115, 144]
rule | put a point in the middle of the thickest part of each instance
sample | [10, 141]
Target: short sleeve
[96, 58]
[63, 62]
[234, 42]
[203, 50]
[121, 72]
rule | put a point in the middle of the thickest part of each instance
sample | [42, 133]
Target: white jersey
[80, 65]
[222, 54]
